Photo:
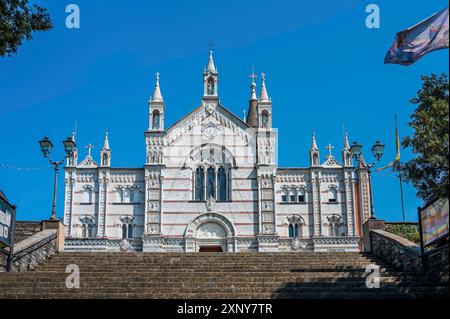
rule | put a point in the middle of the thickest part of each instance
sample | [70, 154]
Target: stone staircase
[219, 275]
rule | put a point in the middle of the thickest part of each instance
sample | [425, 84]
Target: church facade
[210, 182]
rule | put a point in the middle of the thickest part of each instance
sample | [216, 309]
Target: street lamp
[46, 148]
[377, 151]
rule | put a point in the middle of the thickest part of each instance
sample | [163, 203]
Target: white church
[211, 183]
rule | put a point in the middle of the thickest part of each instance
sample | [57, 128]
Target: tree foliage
[18, 20]
[408, 231]
[428, 170]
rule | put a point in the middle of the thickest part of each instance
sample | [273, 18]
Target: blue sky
[324, 70]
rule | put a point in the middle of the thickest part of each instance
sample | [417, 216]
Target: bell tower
[210, 79]
[157, 108]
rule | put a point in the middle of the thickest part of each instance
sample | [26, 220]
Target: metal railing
[28, 252]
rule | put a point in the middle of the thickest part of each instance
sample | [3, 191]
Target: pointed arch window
[200, 184]
[316, 159]
[265, 119]
[295, 226]
[210, 86]
[301, 195]
[335, 226]
[332, 195]
[88, 227]
[127, 231]
[284, 196]
[156, 120]
[211, 183]
[87, 195]
[292, 196]
[223, 184]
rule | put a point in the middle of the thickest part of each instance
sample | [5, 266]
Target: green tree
[18, 20]
[428, 170]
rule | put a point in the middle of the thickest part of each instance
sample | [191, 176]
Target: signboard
[7, 221]
[434, 220]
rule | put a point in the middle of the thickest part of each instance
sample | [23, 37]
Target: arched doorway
[210, 232]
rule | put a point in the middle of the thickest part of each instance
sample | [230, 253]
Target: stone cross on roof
[330, 149]
[89, 147]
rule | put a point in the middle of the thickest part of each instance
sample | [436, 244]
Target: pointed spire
[314, 143]
[346, 143]
[263, 97]
[106, 142]
[157, 97]
[211, 67]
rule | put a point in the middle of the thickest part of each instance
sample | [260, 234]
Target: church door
[211, 249]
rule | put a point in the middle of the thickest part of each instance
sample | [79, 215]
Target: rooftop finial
[314, 143]
[157, 96]
[263, 96]
[211, 67]
[346, 143]
[106, 142]
[253, 76]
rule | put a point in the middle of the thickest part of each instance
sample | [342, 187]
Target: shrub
[408, 231]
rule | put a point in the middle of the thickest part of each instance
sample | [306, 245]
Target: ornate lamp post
[46, 148]
[377, 151]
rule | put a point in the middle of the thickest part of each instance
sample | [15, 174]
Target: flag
[397, 150]
[412, 44]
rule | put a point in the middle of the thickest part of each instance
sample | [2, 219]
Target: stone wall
[32, 251]
[398, 251]
[3, 260]
[437, 259]
[25, 229]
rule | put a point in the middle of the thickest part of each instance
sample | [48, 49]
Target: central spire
[157, 96]
[211, 67]
[210, 79]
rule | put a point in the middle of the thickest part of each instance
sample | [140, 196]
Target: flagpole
[398, 164]
[401, 195]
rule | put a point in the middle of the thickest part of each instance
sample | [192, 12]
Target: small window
[332, 195]
[127, 231]
[292, 196]
[301, 195]
[87, 195]
[124, 231]
[284, 196]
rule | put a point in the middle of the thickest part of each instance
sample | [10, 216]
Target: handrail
[34, 247]
[28, 251]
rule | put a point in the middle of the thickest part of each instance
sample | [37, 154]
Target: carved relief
[266, 152]
[268, 229]
[153, 218]
[267, 206]
[153, 206]
[210, 231]
[267, 194]
[267, 218]
[153, 229]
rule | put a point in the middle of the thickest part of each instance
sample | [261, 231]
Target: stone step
[218, 275]
[212, 288]
[221, 295]
[384, 282]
